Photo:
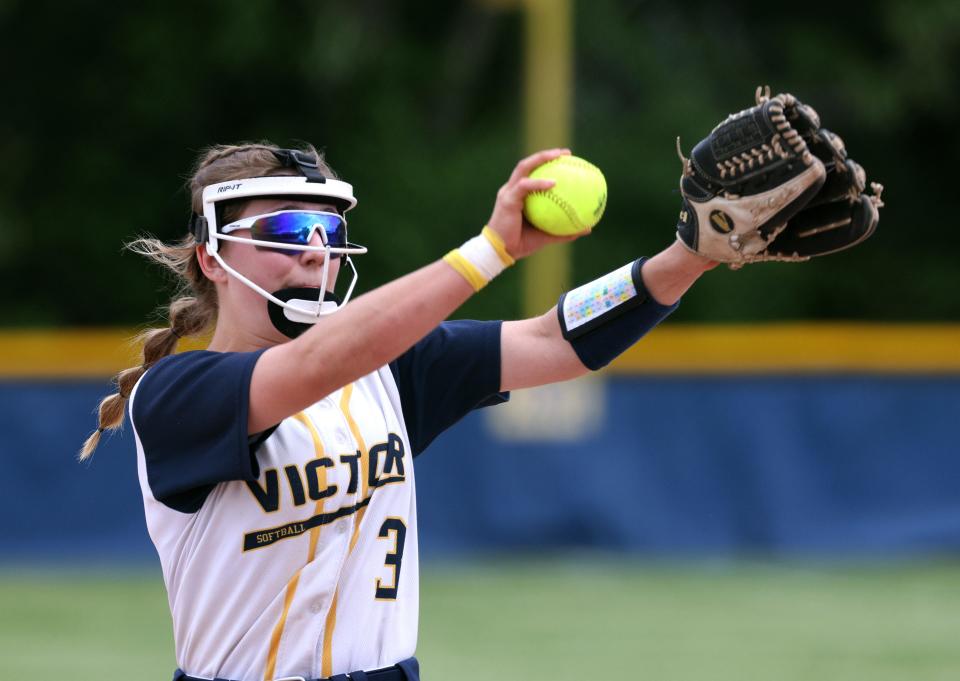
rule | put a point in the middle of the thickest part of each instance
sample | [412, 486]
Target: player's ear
[209, 266]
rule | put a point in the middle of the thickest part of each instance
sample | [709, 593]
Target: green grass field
[563, 619]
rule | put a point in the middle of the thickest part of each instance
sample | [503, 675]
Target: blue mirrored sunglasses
[293, 227]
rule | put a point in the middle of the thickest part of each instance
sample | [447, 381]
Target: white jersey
[296, 554]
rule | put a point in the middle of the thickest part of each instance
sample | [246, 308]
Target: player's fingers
[526, 166]
[512, 195]
[527, 185]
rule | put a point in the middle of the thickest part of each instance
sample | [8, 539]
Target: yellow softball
[574, 203]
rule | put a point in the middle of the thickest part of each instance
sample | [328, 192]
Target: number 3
[394, 558]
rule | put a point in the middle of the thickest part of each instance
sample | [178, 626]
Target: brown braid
[193, 310]
[189, 316]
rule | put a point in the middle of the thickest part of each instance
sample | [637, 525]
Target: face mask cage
[207, 231]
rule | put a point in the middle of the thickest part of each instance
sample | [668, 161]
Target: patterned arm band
[605, 317]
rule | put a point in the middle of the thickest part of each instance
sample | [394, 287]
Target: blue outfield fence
[838, 465]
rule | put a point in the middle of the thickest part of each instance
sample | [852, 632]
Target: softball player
[277, 466]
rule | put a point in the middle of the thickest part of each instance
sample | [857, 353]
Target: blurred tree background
[418, 105]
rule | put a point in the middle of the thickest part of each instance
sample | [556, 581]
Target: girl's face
[270, 269]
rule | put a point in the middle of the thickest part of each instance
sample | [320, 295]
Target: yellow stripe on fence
[70, 353]
[795, 348]
[670, 349]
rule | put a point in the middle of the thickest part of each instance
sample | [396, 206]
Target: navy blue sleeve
[453, 370]
[607, 341]
[190, 412]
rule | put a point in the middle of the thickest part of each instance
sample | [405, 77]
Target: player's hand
[520, 237]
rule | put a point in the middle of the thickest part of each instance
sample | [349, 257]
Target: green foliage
[418, 104]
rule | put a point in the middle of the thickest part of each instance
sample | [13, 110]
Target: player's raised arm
[377, 327]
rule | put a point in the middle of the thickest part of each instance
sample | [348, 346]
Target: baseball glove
[769, 183]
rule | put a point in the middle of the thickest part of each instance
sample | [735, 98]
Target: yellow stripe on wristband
[466, 269]
[497, 242]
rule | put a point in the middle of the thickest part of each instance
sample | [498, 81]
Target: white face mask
[291, 310]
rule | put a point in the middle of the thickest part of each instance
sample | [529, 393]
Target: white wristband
[481, 254]
[481, 258]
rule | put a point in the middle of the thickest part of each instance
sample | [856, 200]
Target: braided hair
[193, 309]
